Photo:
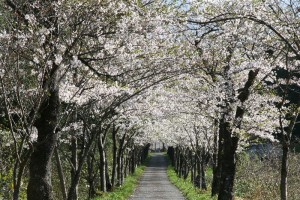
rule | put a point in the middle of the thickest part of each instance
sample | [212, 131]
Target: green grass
[187, 187]
[126, 189]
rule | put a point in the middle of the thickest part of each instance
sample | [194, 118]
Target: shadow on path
[154, 183]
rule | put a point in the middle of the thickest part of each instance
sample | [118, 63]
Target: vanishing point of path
[154, 183]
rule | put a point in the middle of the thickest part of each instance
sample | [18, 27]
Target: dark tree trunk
[216, 161]
[91, 174]
[171, 155]
[230, 145]
[60, 174]
[228, 167]
[203, 167]
[177, 160]
[115, 156]
[39, 185]
[108, 183]
[284, 172]
[218, 168]
[120, 166]
[133, 161]
[74, 161]
[198, 179]
[192, 166]
[286, 140]
[114, 164]
[72, 193]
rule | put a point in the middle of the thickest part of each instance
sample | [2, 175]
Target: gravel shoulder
[154, 183]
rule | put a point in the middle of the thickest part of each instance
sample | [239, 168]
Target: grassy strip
[126, 189]
[187, 187]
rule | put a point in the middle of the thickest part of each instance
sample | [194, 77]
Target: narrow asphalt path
[154, 183]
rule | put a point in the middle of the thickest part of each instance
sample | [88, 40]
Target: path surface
[154, 183]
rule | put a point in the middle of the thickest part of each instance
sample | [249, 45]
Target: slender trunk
[102, 165]
[285, 153]
[72, 195]
[126, 166]
[203, 178]
[115, 151]
[39, 185]
[133, 162]
[180, 165]
[108, 183]
[114, 163]
[284, 172]
[122, 169]
[198, 178]
[74, 161]
[218, 162]
[120, 166]
[17, 184]
[91, 174]
[119, 170]
[60, 174]
[215, 187]
[193, 170]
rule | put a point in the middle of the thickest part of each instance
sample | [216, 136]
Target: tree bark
[203, 167]
[108, 182]
[284, 172]
[120, 166]
[226, 191]
[60, 174]
[217, 168]
[21, 166]
[39, 185]
[286, 140]
[114, 164]
[74, 161]
[102, 165]
[91, 174]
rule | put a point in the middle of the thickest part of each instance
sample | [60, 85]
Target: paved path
[154, 183]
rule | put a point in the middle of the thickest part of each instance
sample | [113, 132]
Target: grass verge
[127, 189]
[187, 187]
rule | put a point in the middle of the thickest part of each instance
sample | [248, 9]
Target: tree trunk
[108, 183]
[215, 163]
[203, 166]
[230, 145]
[120, 166]
[114, 163]
[91, 174]
[217, 168]
[286, 140]
[102, 165]
[19, 174]
[72, 194]
[226, 191]
[115, 156]
[198, 178]
[74, 161]
[60, 174]
[284, 172]
[39, 185]
[192, 166]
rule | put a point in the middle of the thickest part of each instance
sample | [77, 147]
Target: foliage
[259, 178]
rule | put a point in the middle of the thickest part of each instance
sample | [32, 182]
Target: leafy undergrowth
[187, 187]
[126, 189]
